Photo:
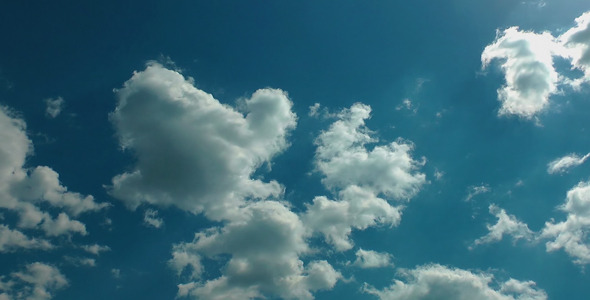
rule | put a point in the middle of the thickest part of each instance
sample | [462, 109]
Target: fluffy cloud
[527, 62]
[96, 249]
[343, 159]
[506, 225]
[563, 164]
[53, 106]
[367, 259]
[192, 151]
[23, 189]
[12, 240]
[36, 282]
[577, 42]
[441, 283]
[264, 244]
[357, 208]
[571, 234]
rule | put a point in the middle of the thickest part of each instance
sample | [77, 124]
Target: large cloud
[192, 151]
[360, 177]
[571, 234]
[265, 244]
[436, 282]
[342, 157]
[527, 62]
[528, 69]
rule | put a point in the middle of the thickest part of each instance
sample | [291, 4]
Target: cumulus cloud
[192, 151]
[441, 283]
[571, 234]
[577, 42]
[264, 244]
[23, 189]
[13, 240]
[527, 62]
[150, 218]
[563, 164]
[357, 208]
[343, 158]
[368, 259]
[506, 225]
[37, 281]
[53, 106]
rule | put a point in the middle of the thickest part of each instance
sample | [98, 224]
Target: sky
[295, 149]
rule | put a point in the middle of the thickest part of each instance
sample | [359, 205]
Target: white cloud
[563, 164]
[37, 282]
[192, 151]
[367, 259]
[116, 273]
[506, 225]
[357, 208]
[476, 190]
[527, 62]
[81, 261]
[53, 106]
[577, 42]
[443, 283]
[23, 189]
[150, 218]
[314, 110]
[12, 240]
[96, 249]
[342, 157]
[571, 234]
[265, 244]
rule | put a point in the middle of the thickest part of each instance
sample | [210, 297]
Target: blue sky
[294, 150]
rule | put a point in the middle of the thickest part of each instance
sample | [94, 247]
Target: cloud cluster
[528, 65]
[36, 282]
[192, 151]
[443, 283]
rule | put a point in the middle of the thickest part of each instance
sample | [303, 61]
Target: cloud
[477, 190]
[506, 225]
[96, 249]
[563, 164]
[53, 107]
[527, 62]
[23, 189]
[442, 283]
[577, 42]
[264, 245]
[192, 151]
[150, 218]
[368, 259]
[314, 110]
[571, 234]
[36, 282]
[342, 157]
[357, 208]
[13, 240]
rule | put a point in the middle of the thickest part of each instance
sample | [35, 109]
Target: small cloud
[563, 164]
[53, 107]
[438, 174]
[116, 273]
[476, 190]
[368, 259]
[96, 249]
[150, 218]
[314, 110]
[81, 261]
